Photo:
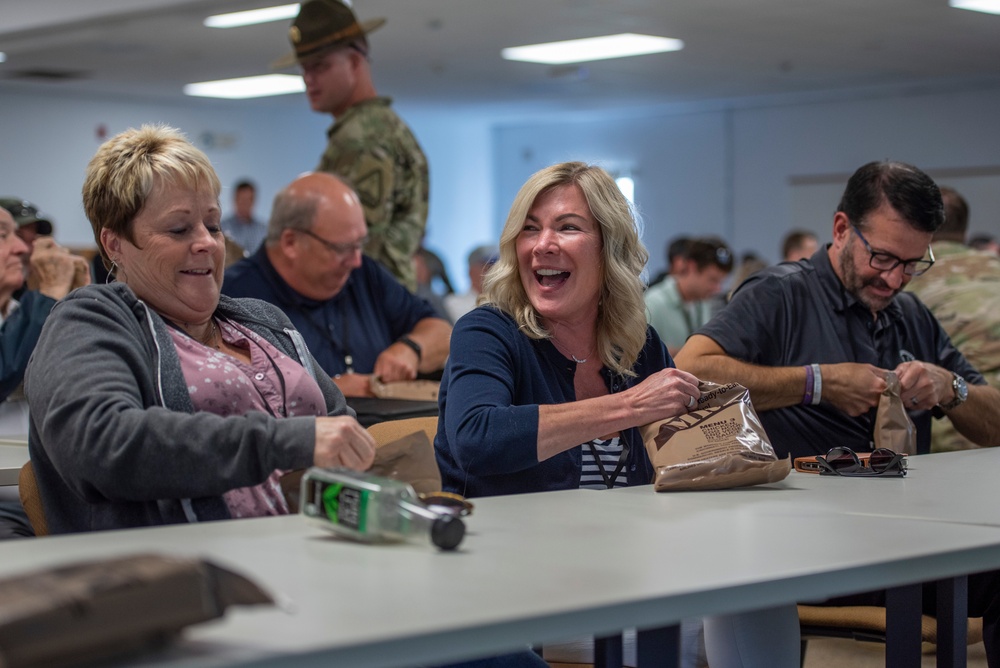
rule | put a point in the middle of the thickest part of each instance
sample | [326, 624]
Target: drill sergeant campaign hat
[322, 25]
[25, 213]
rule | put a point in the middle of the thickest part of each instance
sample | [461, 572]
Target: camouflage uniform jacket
[373, 149]
[962, 290]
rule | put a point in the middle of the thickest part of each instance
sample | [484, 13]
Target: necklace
[214, 340]
[572, 356]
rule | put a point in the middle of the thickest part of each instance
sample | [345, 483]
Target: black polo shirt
[800, 313]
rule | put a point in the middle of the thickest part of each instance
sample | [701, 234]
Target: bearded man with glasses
[814, 340]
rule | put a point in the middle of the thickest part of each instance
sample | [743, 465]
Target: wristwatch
[414, 346]
[961, 393]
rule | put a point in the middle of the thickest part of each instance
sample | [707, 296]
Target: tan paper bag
[718, 445]
[410, 459]
[893, 427]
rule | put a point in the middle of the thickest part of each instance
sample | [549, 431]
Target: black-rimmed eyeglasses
[887, 261]
[845, 462]
[338, 248]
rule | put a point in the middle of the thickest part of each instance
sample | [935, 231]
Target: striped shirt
[608, 454]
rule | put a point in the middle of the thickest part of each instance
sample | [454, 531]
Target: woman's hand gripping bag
[718, 445]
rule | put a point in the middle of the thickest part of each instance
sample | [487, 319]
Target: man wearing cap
[54, 272]
[30, 223]
[369, 145]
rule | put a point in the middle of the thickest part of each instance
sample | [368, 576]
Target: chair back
[27, 488]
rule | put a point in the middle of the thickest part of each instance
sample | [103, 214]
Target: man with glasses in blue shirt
[813, 340]
[356, 318]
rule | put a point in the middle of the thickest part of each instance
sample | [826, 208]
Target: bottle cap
[447, 532]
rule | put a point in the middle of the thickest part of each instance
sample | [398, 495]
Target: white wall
[740, 170]
[46, 141]
[732, 171]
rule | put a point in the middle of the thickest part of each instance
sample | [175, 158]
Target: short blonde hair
[621, 315]
[123, 172]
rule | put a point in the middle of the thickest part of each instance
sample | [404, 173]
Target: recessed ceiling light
[988, 6]
[3, 56]
[253, 16]
[592, 48]
[247, 87]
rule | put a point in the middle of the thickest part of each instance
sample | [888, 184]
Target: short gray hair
[290, 212]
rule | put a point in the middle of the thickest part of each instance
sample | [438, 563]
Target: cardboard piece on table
[98, 609]
[414, 390]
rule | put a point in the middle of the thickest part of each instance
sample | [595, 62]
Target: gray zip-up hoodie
[114, 438]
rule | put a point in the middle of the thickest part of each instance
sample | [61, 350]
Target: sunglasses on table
[845, 462]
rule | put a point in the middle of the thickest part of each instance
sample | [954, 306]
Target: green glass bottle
[374, 509]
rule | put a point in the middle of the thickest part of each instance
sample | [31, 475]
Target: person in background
[963, 293]
[357, 318]
[369, 144]
[480, 259]
[54, 272]
[813, 341]
[798, 245]
[423, 260]
[679, 305]
[750, 264]
[985, 242]
[174, 404]
[551, 376]
[30, 223]
[241, 226]
[675, 249]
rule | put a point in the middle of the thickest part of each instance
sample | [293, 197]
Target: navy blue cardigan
[494, 381]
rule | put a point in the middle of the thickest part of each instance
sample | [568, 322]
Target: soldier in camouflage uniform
[369, 145]
[963, 292]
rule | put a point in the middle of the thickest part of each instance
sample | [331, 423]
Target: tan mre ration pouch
[718, 445]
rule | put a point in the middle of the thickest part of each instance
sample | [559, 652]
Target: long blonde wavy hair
[621, 319]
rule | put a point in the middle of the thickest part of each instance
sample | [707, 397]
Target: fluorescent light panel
[592, 48]
[247, 87]
[627, 185]
[3, 56]
[987, 6]
[253, 16]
